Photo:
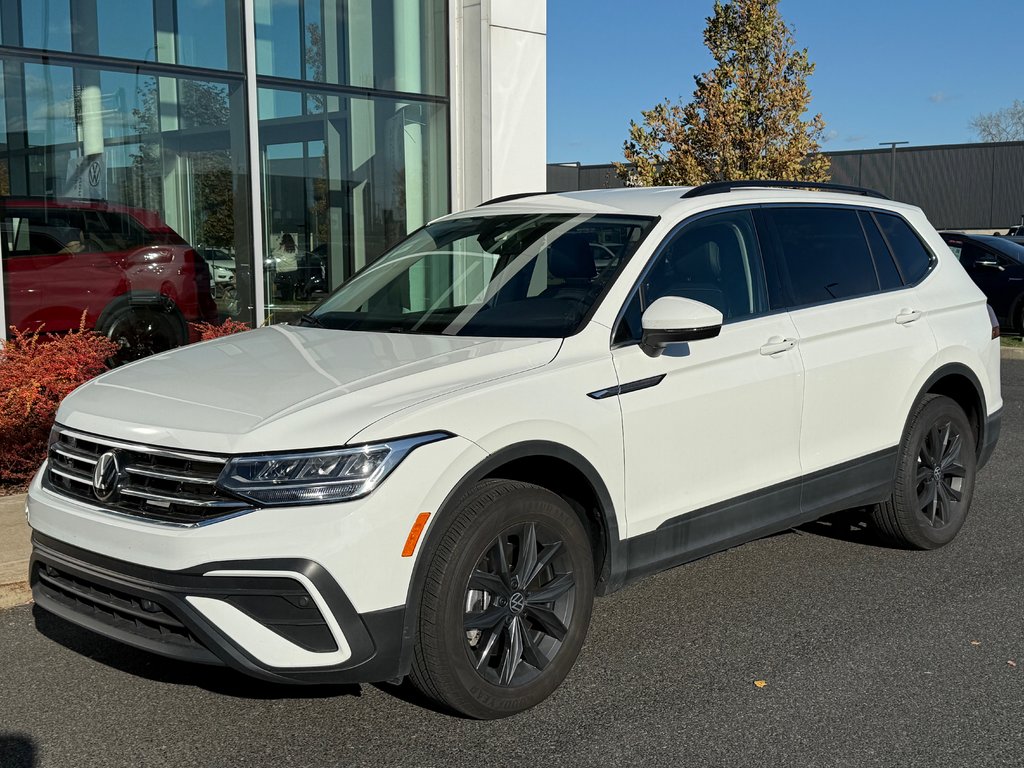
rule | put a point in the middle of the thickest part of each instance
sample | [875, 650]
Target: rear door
[863, 337]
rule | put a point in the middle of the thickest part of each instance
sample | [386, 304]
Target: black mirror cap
[653, 342]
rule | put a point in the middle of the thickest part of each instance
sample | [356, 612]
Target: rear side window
[888, 275]
[821, 253]
[913, 258]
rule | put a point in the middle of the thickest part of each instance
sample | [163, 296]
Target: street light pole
[892, 167]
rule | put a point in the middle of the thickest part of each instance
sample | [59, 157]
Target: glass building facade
[130, 186]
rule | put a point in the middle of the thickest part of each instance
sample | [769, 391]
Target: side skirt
[726, 524]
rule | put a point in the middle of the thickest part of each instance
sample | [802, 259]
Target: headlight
[318, 477]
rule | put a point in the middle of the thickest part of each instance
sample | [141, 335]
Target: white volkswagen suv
[519, 407]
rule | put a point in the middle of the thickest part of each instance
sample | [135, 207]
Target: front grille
[154, 483]
[138, 616]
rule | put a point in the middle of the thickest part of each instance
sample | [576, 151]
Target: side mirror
[673, 319]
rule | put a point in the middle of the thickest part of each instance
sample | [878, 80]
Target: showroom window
[136, 115]
[118, 177]
[387, 45]
[344, 178]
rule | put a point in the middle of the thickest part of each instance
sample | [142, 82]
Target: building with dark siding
[959, 186]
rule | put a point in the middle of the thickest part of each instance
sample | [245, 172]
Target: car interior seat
[571, 261]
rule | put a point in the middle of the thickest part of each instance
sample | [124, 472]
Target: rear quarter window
[910, 253]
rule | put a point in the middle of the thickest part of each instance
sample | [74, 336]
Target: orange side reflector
[414, 534]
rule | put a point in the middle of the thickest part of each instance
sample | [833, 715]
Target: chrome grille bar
[142, 493]
[147, 449]
[72, 476]
[162, 474]
[74, 455]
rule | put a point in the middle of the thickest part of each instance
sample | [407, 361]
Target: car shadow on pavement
[850, 525]
[17, 751]
[219, 680]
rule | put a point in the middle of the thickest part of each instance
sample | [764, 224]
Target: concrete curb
[15, 549]
[1011, 353]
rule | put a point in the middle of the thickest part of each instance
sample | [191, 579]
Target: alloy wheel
[519, 600]
[940, 474]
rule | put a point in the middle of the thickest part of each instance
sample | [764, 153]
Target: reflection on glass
[534, 275]
[49, 104]
[128, 186]
[343, 179]
[125, 29]
[396, 45]
[46, 24]
[208, 34]
[86, 254]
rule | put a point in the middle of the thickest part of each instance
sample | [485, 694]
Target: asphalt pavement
[870, 656]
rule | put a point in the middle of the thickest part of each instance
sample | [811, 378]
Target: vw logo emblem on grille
[106, 475]
[517, 602]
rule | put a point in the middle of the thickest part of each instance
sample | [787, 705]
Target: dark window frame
[635, 290]
[932, 258]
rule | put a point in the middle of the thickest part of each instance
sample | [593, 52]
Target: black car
[996, 264]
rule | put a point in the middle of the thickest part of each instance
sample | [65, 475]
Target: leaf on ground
[975, 642]
[1012, 663]
[760, 683]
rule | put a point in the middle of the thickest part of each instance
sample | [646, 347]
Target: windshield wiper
[310, 319]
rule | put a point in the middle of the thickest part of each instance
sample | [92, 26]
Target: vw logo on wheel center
[106, 475]
[517, 602]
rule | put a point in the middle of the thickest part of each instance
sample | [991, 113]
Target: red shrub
[36, 373]
[209, 331]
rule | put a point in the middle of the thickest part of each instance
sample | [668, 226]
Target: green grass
[1012, 341]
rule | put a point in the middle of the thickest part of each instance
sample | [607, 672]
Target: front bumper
[284, 620]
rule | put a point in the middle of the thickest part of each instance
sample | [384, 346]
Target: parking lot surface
[869, 657]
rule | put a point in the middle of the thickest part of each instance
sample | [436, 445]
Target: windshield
[532, 275]
[1006, 247]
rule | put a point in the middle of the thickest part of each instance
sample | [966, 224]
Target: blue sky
[902, 70]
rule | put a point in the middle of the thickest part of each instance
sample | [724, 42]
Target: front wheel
[143, 329]
[506, 603]
[935, 471]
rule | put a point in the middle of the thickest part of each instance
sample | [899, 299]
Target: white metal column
[252, 117]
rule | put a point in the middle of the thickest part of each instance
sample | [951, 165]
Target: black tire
[487, 646]
[935, 471]
[142, 327]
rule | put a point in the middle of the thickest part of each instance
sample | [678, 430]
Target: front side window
[821, 252]
[714, 260]
[522, 275]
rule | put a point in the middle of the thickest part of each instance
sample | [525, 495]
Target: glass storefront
[344, 178]
[125, 188]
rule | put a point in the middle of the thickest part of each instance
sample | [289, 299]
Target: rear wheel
[935, 474]
[506, 603]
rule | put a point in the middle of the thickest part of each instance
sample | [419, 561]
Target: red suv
[135, 278]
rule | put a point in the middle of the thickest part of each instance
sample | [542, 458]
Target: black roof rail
[728, 186]
[506, 198]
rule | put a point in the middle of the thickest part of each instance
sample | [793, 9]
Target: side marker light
[414, 534]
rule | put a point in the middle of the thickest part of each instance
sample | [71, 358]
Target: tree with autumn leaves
[746, 119]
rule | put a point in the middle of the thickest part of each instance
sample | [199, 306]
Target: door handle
[907, 316]
[777, 344]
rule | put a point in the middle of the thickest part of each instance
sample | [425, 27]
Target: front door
[711, 428]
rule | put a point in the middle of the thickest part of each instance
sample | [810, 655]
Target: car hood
[286, 387]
